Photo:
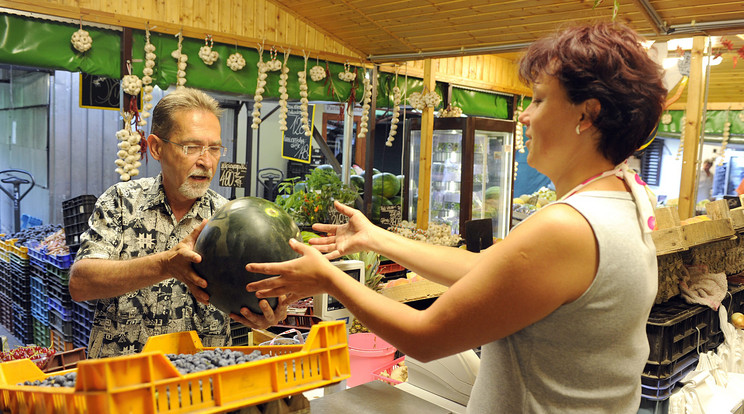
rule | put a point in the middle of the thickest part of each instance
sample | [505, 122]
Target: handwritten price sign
[233, 174]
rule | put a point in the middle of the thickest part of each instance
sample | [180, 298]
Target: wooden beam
[712, 106]
[691, 141]
[427, 132]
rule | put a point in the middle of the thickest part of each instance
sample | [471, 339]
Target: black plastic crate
[80, 205]
[61, 325]
[61, 293]
[675, 328]
[83, 312]
[6, 311]
[4, 277]
[22, 327]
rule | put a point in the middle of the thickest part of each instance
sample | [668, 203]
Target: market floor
[13, 342]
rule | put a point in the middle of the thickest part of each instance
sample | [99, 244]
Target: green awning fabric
[714, 122]
[219, 77]
[478, 103]
[45, 44]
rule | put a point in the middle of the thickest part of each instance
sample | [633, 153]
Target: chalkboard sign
[233, 174]
[99, 92]
[296, 145]
[390, 216]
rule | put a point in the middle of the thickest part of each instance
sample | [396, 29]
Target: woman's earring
[578, 129]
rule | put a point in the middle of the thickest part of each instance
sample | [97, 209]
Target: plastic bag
[717, 384]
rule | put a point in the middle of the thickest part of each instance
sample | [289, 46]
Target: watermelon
[357, 181]
[245, 230]
[385, 184]
[376, 203]
[397, 201]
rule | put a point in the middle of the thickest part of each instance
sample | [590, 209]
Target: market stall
[433, 77]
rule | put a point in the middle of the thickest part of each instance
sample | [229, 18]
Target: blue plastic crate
[37, 255]
[60, 261]
[42, 315]
[63, 309]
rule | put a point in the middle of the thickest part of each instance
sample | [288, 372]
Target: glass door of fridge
[492, 170]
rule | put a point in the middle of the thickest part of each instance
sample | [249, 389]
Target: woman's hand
[343, 239]
[298, 278]
[270, 316]
[178, 264]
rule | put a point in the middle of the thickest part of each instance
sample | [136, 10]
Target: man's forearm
[99, 278]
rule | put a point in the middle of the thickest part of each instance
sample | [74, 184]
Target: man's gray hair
[183, 99]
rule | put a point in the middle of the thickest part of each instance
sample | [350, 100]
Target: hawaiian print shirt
[133, 219]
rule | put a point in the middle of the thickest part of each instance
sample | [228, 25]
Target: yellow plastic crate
[8, 246]
[4, 252]
[148, 383]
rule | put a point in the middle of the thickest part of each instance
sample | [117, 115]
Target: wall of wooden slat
[245, 22]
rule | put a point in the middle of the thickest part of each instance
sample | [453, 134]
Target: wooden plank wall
[488, 72]
[244, 22]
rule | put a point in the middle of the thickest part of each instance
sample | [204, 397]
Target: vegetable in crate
[243, 231]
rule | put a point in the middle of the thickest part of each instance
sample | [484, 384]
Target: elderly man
[136, 257]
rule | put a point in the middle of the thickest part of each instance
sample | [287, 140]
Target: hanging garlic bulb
[317, 73]
[347, 75]
[207, 55]
[304, 103]
[127, 164]
[81, 39]
[519, 133]
[366, 99]
[724, 141]
[182, 59]
[147, 73]
[131, 84]
[416, 100]
[236, 61]
[260, 84]
[682, 123]
[283, 95]
[394, 120]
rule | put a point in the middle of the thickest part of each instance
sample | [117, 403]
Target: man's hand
[270, 316]
[178, 265]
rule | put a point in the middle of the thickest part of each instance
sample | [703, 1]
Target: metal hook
[698, 339]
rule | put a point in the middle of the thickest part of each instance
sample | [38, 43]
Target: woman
[560, 305]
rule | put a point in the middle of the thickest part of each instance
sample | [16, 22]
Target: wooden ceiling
[401, 30]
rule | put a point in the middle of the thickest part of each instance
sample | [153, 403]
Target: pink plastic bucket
[366, 352]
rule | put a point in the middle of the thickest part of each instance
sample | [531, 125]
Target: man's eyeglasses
[215, 151]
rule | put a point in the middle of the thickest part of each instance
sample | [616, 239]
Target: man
[136, 257]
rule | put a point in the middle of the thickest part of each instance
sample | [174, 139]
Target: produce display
[529, 203]
[39, 234]
[437, 233]
[37, 354]
[184, 363]
[245, 230]
[308, 200]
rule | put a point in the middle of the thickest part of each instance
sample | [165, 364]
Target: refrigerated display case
[472, 164]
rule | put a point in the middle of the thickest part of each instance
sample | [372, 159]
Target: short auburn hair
[605, 61]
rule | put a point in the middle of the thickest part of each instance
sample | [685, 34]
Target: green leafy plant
[308, 200]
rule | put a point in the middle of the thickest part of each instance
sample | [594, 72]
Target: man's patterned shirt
[133, 219]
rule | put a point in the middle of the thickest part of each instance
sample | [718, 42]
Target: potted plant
[309, 200]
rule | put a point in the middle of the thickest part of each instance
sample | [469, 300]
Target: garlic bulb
[682, 123]
[347, 75]
[207, 55]
[366, 99]
[304, 104]
[81, 40]
[394, 120]
[725, 139]
[236, 61]
[131, 84]
[666, 119]
[182, 59]
[519, 133]
[129, 151]
[423, 100]
[283, 96]
[260, 84]
[147, 73]
[451, 112]
[317, 73]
